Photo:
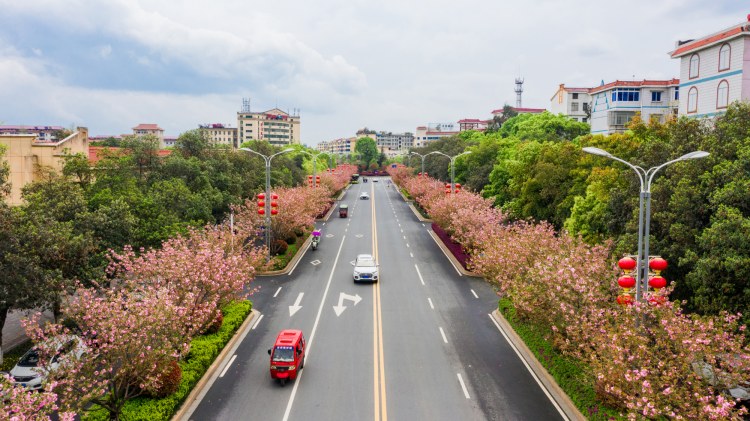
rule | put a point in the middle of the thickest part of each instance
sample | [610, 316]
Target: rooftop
[635, 84]
[734, 31]
[147, 127]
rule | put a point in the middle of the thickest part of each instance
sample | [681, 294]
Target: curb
[560, 398]
[292, 263]
[199, 391]
[456, 264]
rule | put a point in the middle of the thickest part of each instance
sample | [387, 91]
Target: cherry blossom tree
[20, 404]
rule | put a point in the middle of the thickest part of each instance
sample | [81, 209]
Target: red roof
[636, 83]
[471, 120]
[711, 39]
[147, 127]
[577, 89]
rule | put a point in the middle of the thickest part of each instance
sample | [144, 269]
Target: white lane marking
[443, 335]
[402, 231]
[463, 386]
[314, 329]
[539, 382]
[422, 224]
[258, 322]
[277, 292]
[430, 301]
[404, 237]
[407, 244]
[419, 274]
[411, 254]
[324, 223]
[445, 252]
[475, 294]
[223, 372]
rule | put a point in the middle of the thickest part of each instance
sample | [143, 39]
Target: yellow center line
[381, 408]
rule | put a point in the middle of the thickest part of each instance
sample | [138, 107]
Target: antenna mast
[519, 91]
[245, 105]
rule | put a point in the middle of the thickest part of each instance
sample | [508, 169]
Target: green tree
[544, 127]
[193, 143]
[368, 150]
[499, 119]
[4, 174]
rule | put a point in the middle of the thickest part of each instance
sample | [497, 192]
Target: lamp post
[646, 177]
[453, 166]
[421, 156]
[315, 167]
[268, 195]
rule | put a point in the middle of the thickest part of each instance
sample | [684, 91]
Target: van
[287, 355]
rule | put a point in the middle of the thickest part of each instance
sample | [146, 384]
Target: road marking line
[411, 254]
[277, 292]
[257, 322]
[475, 294]
[463, 386]
[402, 231]
[324, 224]
[445, 252]
[404, 237]
[407, 244]
[430, 300]
[419, 274]
[422, 224]
[314, 329]
[223, 372]
[528, 367]
[443, 335]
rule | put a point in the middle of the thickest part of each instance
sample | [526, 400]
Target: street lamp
[268, 194]
[421, 156]
[645, 177]
[315, 167]
[453, 166]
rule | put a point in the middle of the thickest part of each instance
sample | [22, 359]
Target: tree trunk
[3, 316]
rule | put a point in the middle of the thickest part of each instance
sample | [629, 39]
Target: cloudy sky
[346, 64]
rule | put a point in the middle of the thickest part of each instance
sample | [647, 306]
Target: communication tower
[245, 105]
[519, 91]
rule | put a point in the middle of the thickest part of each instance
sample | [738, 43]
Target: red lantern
[447, 185]
[626, 282]
[657, 282]
[657, 300]
[274, 204]
[625, 300]
[458, 187]
[274, 196]
[657, 264]
[261, 211]
[626, 263]
[274, 211]
[447, 191]
[261, 204]
[261, 196]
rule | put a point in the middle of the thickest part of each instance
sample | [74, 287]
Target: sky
[389, 65]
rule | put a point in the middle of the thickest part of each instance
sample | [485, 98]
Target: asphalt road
[418, 345]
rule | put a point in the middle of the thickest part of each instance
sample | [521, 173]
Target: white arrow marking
[341, 307]
[296, 307]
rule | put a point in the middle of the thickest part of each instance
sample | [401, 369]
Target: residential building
[472, 124]
[43, 133]
[519, 110]
[220, 134]
[572, 102]
[342, 146]
[713, 71]
[614, 104]
[274, 126]
[29, 152]
[150, 129]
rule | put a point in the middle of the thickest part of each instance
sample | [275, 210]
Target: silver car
[365, 268]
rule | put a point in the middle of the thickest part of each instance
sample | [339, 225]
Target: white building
[426, 134]
[220, 134]
[572, 102]
[614, 104]
[712, 71]
[274, 126]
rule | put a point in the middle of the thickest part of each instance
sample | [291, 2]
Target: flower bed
[453, 246]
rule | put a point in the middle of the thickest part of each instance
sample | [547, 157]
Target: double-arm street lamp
[645, 177]
[453, 166]
[315, 166]
[268, 194]
[421, 156]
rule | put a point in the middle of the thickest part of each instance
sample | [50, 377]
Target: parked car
[29, 374]
[364, 196]
[365, 268]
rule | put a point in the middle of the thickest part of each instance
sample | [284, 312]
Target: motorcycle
[315, 239]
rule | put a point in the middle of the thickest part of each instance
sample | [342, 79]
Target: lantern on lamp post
[627, 281]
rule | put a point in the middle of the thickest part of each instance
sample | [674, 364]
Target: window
[620, 118]
[575, 96]
[626, 94]
[694, 65]
[586, 107]
[573, 106]
[676, 93]
[724, 54]
[655, 96]
[722, 94]
[692, 105]
[585, 120]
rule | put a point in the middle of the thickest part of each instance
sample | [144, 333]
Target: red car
[287, 355]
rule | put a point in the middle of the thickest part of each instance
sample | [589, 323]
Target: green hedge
[203, 351]
[569, 373]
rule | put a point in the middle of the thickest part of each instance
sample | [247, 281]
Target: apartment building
[614, 104]
[343, 146]
[274, 126]
[572, 102]
[150, 129]
[220, 134]
[472, 124]
[519, 110]
[430, 133]
[29, 151]
[712, 71]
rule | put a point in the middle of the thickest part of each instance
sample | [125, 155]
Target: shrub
[216, 323]
[170, 380]
[279, 247]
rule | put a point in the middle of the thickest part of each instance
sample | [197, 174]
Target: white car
[365, 268]
[27, 372]
[364, 196]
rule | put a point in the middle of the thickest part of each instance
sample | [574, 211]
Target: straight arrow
[341, 307]
[295, 308]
